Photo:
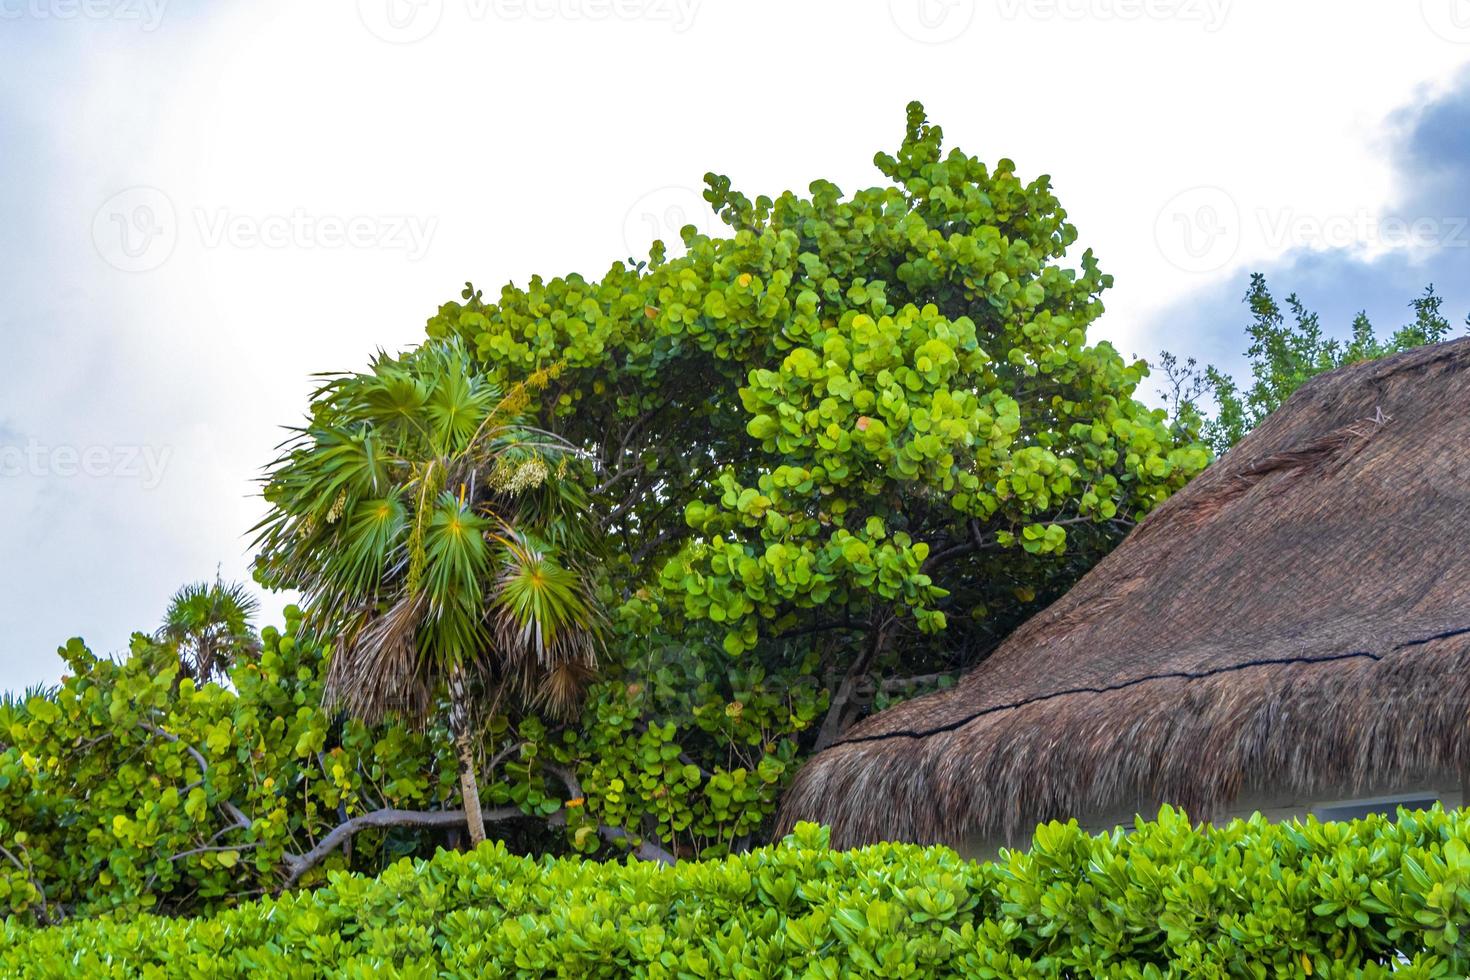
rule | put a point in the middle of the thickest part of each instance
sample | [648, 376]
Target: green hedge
[1364, 899]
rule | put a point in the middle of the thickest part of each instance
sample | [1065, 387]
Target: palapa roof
[1297, 618]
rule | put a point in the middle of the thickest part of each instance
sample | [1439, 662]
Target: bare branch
[652, 545]
[501, 756]
[216, 848]
[904, 683]
[838, 708]
[974, 542]
[298, 864]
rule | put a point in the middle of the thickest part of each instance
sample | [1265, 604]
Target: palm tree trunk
[464, 750]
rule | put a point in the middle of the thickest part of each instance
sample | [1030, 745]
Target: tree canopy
[1283, 355]
[868, 427]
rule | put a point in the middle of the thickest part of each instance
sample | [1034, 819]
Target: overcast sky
[205, 203]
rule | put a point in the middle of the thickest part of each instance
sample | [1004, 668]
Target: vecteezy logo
[146, 464]
[1198, 230]
[400, 21]
[932, 21]
[136, 230]
[1450, 19]
[661, 214]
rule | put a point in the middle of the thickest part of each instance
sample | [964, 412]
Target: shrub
[128, 788]
[1363, 899]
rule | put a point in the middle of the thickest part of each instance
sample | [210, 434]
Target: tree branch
[641, 485]
[652, 545]
[214, 849]
[501, 756]
[974, 542]
[30, 876]
[645, 850]
[624, 442]
[241, 820]
[615, 479]
[904, 683]
[837, 710]
[298, 864]
[840, 624]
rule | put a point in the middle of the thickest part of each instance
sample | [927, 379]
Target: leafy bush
[1364, 899]
[129, 787]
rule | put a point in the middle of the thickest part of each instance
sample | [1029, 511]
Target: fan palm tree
[209, 624]
[429, 529]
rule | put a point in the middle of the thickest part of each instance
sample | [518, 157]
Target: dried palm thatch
[1296, 619]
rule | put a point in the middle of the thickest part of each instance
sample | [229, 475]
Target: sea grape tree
[865, 427]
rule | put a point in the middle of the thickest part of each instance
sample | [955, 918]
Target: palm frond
[210, 625]
[547, 629]
[417, 512]
[380, 669]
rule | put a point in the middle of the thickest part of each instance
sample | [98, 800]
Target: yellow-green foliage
[127, 788]
[1365, 899]
[116, 789]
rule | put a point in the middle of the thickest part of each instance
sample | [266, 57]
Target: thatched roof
[1295, 619]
